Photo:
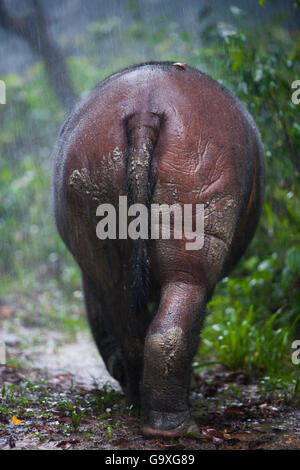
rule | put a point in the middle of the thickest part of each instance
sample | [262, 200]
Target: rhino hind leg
[107, 344]
[170, 345]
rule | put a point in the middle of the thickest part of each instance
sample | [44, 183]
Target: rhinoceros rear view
[156, 133]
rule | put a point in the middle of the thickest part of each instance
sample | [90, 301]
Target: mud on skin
[163, 133]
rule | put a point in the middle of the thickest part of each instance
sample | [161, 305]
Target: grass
[241, 340]
[17, 397]
[41, 400]
[244, 339]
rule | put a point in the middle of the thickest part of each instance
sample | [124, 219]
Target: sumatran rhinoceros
[156, 133]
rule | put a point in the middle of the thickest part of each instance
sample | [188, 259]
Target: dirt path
[57, 394]
[53, 356]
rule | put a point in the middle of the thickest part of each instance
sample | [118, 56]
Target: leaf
[6, 311]
[15, 420]
[213, 435]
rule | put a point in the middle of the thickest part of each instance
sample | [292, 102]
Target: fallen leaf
[259, 429]
[66, 443]
[267, 407]
[175, 446]
[234, 412]
[213, 435]
[6, 311]
[15, 420]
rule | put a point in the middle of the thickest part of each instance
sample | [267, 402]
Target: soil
[59, 396]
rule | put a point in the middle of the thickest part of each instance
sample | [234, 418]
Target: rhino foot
[168, 425]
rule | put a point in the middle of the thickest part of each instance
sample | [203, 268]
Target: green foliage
[75, 414]
[29, 240]
[245, 339]
[73, 407]
[255, 313]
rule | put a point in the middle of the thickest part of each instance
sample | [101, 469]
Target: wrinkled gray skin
[158, 133]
